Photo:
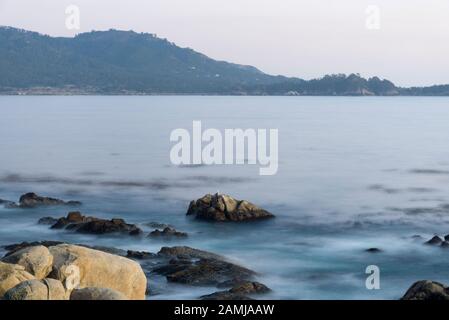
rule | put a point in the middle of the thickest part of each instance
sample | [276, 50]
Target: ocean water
[354, 173]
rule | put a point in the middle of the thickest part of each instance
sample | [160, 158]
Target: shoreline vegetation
[55, 270]
[117, 62]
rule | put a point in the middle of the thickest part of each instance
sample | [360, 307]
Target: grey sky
[303, 38]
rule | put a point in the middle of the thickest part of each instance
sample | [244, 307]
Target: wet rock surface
[239, 291]
[223, 208]
[427, 290]
[77, 222]
[199, 268]
[168, 232]
[32, 200]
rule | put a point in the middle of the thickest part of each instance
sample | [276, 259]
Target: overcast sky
[303, 38]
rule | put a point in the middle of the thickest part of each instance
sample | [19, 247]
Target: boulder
[83, 224]
[427, 290]
[196, 267]
[223, 208]
[46, 289]
[97, 294]
[36, 260]
[167, 233]
[436, 240]
[11, 275]
[32, 200]
[98, 269]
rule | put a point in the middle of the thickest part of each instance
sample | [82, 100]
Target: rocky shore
[53, 270]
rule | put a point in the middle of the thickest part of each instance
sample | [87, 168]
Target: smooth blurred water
[348, 167]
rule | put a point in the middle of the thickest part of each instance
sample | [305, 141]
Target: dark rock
[32, 200]
[157, 225]
[208, 272]
[446, 237]
[427, 290]
[8, 204]
[224, 295]
[12, 248]
[140, 255]
[188, 253]
[47, 220]
[91, 225]
[249, 287]
[373, 250]
[436, 240]
[238, 292]
[225, 208]
[445, 244]
[196, 267]
[168, 232]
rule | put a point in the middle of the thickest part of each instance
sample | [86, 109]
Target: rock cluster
[220, 207]
[83, 224]
[64, 271]
[437, 241]
[32, 200]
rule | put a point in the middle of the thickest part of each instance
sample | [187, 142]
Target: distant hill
[126, 62]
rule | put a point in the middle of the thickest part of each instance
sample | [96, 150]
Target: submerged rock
[436, 240]
[224, 295]
[83, 224]
[196, 267]
[427, 290]
[32, 200]
[47, 220]
[238, 291]
[373, 250]
[140, 255]
[8, 204]
[222, 208]
[168, 233]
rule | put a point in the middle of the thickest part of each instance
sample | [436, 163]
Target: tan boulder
[97, 294]
[46, 289]
[11, 275]
[80, 267]
[37, 260]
